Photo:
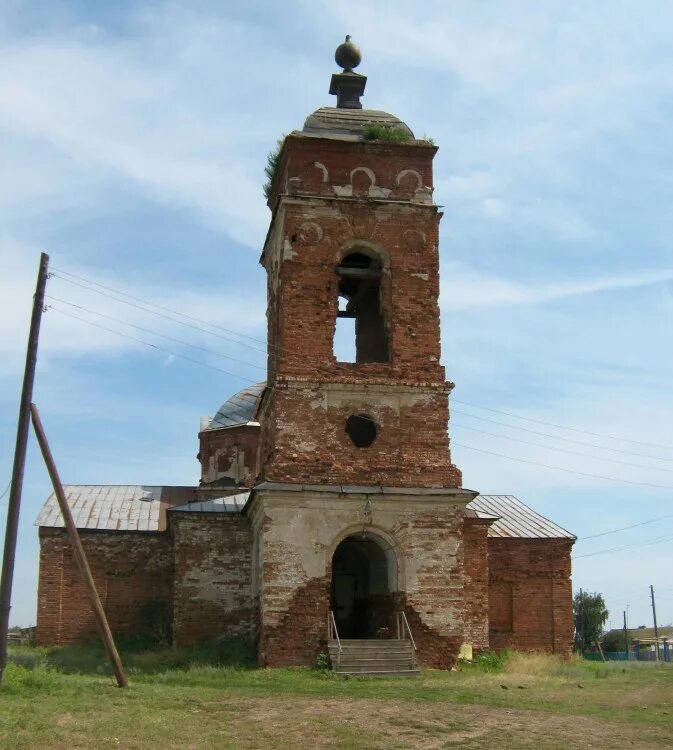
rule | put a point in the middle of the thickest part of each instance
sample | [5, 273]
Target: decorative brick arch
[367, 171]
[408, 173]
[366, 246]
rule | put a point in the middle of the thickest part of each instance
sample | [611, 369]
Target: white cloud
[463, 288]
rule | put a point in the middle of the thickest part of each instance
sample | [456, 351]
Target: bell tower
[359, 441]
[354, 240]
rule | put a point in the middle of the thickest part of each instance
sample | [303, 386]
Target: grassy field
[63, 698]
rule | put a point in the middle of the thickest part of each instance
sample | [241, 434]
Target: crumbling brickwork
[530, 594]
[229, 453]
[213, 574]
[325, 215]
[475, 535]
[424, 541]
[348, 455]
[132, 570]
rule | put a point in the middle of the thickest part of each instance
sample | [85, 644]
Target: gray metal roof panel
[115, 507]
[226, 504]
[516, 520]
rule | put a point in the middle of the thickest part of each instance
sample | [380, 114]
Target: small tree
[614, 640]
[590, 616]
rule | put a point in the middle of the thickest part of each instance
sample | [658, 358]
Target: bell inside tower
[359, 293]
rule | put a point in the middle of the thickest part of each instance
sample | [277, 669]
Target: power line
[559, 426]
[156, 333]
[147, 343]
[563, 468]
[162, 315]
[555, 437]
[645, 543]
[231, 374]
[561, 450]
[625, 528]
[154, 304]
[89, 284]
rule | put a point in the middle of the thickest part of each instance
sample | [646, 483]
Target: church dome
[350, 123]
[240, 409]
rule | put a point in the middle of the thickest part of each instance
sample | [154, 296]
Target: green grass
[384, 133]
[178, 699]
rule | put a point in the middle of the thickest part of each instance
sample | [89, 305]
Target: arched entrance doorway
[364, 579]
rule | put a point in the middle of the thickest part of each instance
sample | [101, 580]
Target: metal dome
[240, 409]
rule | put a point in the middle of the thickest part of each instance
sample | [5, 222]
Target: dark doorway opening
[363, 569]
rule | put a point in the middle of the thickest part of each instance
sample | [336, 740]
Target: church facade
[328, 500]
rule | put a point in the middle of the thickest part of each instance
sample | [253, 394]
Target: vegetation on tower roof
[374, 132]
[272, 159]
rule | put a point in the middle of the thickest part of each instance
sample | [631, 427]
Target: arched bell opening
[364, 582]
[360, 304]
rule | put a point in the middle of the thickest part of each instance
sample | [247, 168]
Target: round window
[361, 429]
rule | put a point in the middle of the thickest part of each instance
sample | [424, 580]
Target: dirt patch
[321, 723]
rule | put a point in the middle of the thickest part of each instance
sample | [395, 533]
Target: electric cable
[563, 468]
[156, 333]
[559, 426]
[554, 437]
[561, 450]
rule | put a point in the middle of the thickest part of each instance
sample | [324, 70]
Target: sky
[133, 137]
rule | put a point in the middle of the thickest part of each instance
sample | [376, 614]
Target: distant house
[642, 642]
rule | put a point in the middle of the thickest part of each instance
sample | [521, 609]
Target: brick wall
[213, 573]
[129, 568]
[432, 551]
[230, 452]
[308, 443]
[530, 594]
[475, 540]
[331, 198]
[304, 287]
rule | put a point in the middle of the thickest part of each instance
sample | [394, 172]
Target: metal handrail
[332, 632]
[408, 629]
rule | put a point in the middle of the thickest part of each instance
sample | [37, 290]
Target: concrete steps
[374, 658]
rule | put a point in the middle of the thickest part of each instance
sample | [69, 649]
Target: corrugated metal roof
[240, 409]
[516, 519]
[143, 508]
[115, 507]
[228, 504]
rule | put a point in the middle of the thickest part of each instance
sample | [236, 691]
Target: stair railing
[333, 633]
[404, 631]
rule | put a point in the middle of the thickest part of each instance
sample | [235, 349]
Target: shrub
[322, 661]
[19, 679]
[384, 133]
[490, 661]
[272, 160]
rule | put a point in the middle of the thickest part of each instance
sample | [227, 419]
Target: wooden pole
[626, 638]
[656, 629]
[600, 650]
[78, 550]
[23, 424]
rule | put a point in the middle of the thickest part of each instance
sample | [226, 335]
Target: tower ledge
[349, 124]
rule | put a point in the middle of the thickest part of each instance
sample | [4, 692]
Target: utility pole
[656, 629]
[78, 552]
[626, 638]
[14, 502]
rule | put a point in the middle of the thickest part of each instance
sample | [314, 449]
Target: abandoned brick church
[328, 504]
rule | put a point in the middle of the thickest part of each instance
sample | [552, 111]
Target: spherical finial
[348, 55]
